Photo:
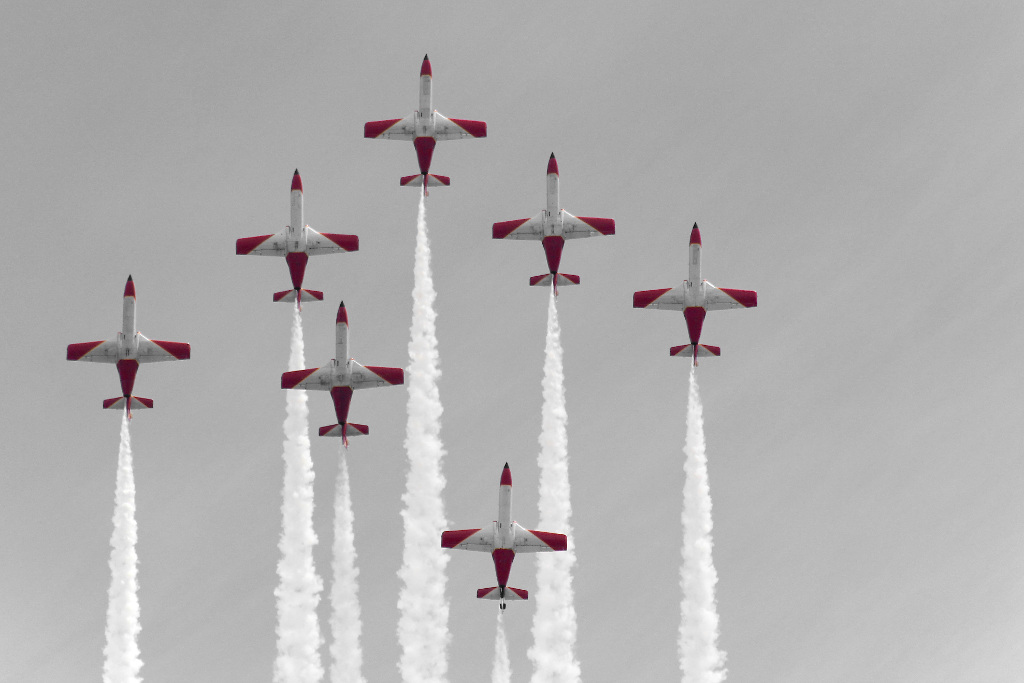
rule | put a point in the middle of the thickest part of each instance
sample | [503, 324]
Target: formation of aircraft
[425, 127]
[695, 297]
[341, 377]
[503, 539]
[127, 350]
[296, 243]
[552, 227]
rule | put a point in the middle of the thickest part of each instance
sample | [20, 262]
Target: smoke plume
[423, 624]
[502, 671]
[122, 662]
[346, 625]
[699, 657]
[298, 592]
[554, 622]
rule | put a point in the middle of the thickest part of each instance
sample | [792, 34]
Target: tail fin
[494, 593]
[290, 295]
[137, 403]
[703, 350]
[345, 431]
[563, 280]
[432, 180]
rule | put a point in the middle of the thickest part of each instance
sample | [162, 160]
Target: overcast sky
[859, 164]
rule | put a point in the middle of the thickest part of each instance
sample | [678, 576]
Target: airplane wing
[469, 539]
[154, 350]
[262, 245]
[391, 129]
[310, 378]
[670, 299]
[529, 541]
[94, 352]
[329, 243]
[457, 129]
[585, 226]
[717, 299]
[370, 376]
[521, 229]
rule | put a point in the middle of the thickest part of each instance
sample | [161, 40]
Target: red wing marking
[450, 539]
[147, 402]
[484, 592]
[109, 402]
[521, 592]
[346, 242]
[389, 375]
[647, 297]
[245, 245]
[77, 351]
[289, 380]
[605, 226]
[372, 129]
[553, 541]
[505, 228]
[180, 350]
[477, 129]
[744, 297]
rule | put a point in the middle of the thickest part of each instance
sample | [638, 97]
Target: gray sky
[859, 164]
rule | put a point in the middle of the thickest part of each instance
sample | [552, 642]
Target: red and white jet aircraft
[552, 227]
[503, 539]
[425, 127]
[297, 242]
[341, 376]
[127, 350]
[695, 297]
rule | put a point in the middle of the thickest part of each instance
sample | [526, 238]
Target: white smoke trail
[423, 624]
[346, 625]
[699, 657]
[298, 631]
[502, 671]
[554, 622]
[121, 653]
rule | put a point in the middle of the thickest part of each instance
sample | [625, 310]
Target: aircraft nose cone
[506, 476]
[695, 235]
[425, 68]
[297, 181]
[552, 164]
[342, 314]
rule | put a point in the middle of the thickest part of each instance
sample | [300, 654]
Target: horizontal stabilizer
[563, 280]
[118, 403]
[289, 295]
[703, 350]
[432, 180]
[352, 430]
[494, 593]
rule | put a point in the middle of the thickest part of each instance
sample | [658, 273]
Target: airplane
[297, 242]
[127, 350]
[341, 376]
[503, 539]
[552, 227]
[695, 297]
[425, 127]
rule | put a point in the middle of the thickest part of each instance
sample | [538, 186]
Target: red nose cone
[296, 181]
[552, 165]
[342, 314]
[425, 68]
[129, 287]
[695, 235]
[506, 476]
